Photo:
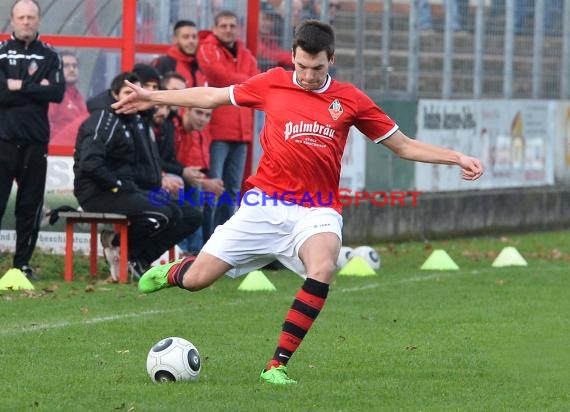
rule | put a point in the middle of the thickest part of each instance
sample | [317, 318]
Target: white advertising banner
[514, 139]
[59, 191]
[353, 169]
[562, 142]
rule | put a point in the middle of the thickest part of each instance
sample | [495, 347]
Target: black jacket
[113, 147]
[148, 171]
[166, 147]
[24, 113]
[104, 150]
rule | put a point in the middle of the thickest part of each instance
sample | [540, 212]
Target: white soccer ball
[344, 256]
[369, 255]
[173, 359]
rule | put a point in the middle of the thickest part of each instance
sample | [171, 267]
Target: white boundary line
[433, 276]
[40, 327]
[375, 285]
[111, 318]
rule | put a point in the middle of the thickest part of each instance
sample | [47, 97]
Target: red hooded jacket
[222, 69]
[186, 65]
[193, 148]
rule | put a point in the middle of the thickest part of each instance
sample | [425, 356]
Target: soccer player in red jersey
[292, 211]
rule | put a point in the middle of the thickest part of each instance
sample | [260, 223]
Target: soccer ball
[173, 359]
[369, 255]
[344, 256]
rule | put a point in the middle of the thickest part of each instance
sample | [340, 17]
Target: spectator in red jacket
[225, 60]
[269, 50]
[193, 151]
[66, 117]
[192, 138]
[181, 57]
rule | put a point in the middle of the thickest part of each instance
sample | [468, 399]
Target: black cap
[147, 73]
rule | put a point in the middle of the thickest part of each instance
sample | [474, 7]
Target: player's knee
[323, 271]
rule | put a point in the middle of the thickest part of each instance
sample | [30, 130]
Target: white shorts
[259, 234]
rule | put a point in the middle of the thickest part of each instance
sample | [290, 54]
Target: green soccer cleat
[156, 278]
[277, 375]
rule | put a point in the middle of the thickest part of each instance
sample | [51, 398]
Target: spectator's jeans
[227, 161]
[193, 243]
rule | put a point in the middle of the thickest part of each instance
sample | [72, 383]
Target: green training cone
[439, 260]
[255, 281]
[357, 266]
[15, 279]
[509, 256]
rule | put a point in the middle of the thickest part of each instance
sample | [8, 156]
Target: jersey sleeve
[372, 121]
[252, 92]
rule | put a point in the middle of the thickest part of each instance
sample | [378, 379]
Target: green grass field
[477, 339]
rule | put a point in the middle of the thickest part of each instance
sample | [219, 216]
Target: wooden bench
[121, 224]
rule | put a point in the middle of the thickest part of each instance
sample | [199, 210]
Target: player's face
[70, 69]
[311, 69]
[161, 112]
[226, 30]
[199, 118]
[152, 85]
[124, 92]
[25, 20]
[186, 39]
[174, 84]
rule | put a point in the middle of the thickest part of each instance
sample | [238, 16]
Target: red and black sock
[304, 310]
[177, 271]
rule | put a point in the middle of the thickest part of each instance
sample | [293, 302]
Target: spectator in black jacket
[174, 175]
[116, 171]
[31, 77]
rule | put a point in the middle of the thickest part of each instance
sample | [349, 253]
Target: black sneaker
[30, 274]
[137, 269]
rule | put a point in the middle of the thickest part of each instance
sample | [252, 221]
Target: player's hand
[471, 168]
[138, 100]
[193, 175]
[216, 186]
[14, 84]
[172, 183]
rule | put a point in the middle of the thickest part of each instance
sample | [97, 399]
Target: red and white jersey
[305, 133]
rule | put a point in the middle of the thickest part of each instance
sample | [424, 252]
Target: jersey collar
[321, 89]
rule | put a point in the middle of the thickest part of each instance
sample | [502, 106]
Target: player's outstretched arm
[410, 149]
[141, 99]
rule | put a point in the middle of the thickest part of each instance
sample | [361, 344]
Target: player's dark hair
[183, 23]
[119, 81]
[314, 36]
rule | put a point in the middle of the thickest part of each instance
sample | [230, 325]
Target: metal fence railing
[444, 48]
[397, 48]
[457, 48]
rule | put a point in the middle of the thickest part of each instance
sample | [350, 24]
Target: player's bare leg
[319, 254]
